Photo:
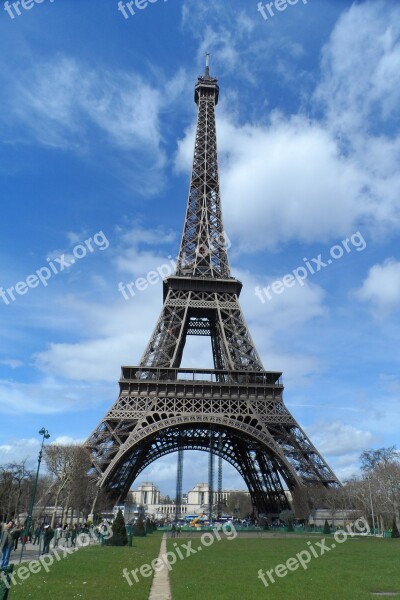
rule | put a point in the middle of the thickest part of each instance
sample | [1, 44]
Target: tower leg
[211, 478]
[179, 475]
[219, 509]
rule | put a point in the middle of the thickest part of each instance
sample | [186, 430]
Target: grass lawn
[228, 569]
[93, 573]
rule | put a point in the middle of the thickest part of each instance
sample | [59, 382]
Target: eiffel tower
[235, 410]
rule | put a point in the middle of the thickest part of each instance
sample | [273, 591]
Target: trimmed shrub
[140, 530]
[119, 537]
[327, 529]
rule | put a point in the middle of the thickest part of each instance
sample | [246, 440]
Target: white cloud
[273, 168]
[295, 305]
[336, 438]
[65, 104]
[360, 68]
[10, 362]
[48, 396]
[230, 34]
[381, 288]
[318, 179]
[62, 91]
[17, 450]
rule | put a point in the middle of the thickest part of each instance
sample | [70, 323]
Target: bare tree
[372, 458]
[15, 489]
[378, 490]
[67, 464]
[239, 505]
[385, 479]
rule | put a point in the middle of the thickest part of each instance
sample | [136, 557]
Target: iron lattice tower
[235, 410]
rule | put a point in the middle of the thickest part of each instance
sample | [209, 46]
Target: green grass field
[93, 573]
[223, 571]
[228, 569]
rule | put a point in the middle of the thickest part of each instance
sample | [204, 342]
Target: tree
[140, 530]
[395, 531]
[150, 525]
[385, 479]
[372, 458]
[69, 466]
[327, 529]
[119, 536]
[239, 505]
[15, 489]
[381, 483]
[287, 516]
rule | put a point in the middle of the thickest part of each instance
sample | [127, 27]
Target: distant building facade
[195, 502]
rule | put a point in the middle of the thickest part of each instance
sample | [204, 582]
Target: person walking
[57, 535]
[16, 534]
[67, 533]
[36, 536]
[6, 544]
[47, 537]
[74, 535]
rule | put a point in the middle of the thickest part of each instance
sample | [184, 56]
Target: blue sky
[97, 123]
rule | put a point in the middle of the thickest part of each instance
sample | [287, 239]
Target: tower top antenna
[208, 64]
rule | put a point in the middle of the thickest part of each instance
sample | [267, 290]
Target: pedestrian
[173, 530]
[67, 534]
[16, 534]
[36, 537]
[47, 537]
[6, 544]
[57, 534]
[74, 535]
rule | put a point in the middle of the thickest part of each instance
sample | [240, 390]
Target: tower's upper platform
[206, 86]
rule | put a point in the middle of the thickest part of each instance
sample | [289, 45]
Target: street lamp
[372, 506]
[45, 436]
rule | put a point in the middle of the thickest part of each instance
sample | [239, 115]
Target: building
[130, 511]
[195, 502]
[146, 494]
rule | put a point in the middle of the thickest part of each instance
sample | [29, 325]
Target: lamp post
[372, 506]
[45, 436]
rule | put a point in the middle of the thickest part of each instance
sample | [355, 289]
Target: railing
[202, 375]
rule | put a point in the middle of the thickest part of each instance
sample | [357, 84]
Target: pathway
[160, 587]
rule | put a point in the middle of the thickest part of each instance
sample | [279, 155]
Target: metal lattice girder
[236, 447]
[247, 403]
[179, 476]
[219, 498]
[232, 344]
[211, 462]
[163, 408]
[203, 250]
